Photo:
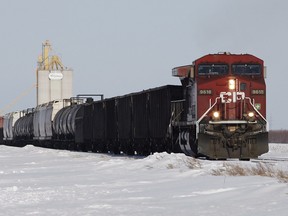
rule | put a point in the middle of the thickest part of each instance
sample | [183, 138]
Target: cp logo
[231, 97]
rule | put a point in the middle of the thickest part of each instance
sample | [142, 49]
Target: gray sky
[120, 46]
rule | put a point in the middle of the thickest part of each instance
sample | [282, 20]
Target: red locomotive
[224, 111]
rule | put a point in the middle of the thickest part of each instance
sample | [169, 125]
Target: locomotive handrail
[208, 110]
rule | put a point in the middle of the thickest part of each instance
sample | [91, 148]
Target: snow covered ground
[36, 181]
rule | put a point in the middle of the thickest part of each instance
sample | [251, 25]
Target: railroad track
[270, 159]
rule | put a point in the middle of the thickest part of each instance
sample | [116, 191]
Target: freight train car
[127, 123]
[9, 121]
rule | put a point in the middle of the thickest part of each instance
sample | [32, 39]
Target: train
[218, 112]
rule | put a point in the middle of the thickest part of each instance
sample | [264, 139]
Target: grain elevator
[54, 81]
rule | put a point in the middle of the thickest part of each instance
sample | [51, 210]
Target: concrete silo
[54, 81]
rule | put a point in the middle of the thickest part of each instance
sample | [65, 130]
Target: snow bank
[37, 181]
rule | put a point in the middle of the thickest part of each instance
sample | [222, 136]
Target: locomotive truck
[218, 112]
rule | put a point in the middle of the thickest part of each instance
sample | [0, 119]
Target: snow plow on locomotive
[218, 112]
[224, 113]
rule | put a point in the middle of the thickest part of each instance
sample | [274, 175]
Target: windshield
[213, 69]
[246, 69]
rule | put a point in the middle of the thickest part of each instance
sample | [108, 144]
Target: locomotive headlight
[251, 114]
[216, 115]
[232, 84]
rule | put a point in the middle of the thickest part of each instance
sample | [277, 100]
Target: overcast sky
[120, 46]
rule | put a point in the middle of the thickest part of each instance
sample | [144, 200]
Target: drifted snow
[37, 181]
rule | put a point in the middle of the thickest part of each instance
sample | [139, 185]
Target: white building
[54, 81]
